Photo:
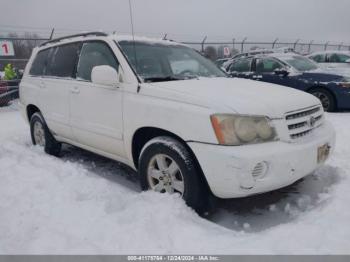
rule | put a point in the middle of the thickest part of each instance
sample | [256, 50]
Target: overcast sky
[318, 20]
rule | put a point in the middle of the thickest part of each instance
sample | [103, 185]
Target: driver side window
[94, 54]
[338, 58]
[267, 65]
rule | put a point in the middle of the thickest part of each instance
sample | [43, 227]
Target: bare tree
[211, 53]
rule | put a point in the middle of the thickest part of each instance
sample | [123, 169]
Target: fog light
[260, 170]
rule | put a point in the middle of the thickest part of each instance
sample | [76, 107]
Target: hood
[225, 95]
[322, 75]
[341, 71]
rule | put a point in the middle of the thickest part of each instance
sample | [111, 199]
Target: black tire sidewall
[195, 194]
[52, 147]
[332, 104]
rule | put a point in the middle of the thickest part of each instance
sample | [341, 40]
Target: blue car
[293, 70]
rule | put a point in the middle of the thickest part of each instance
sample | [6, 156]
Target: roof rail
[75, 35]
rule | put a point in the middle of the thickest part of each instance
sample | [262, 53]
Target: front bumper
[229, 169]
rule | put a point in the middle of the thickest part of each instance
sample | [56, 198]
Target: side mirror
[281, 72]
[104, 75]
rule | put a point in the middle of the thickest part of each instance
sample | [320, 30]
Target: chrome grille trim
[301, 123]
[303, 113]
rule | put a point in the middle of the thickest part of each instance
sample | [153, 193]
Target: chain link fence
[213, 49]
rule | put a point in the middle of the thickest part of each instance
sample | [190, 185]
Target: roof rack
[76, 35]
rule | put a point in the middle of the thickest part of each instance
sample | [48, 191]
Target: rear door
[55, 87]
[241, 68]
[96, 110]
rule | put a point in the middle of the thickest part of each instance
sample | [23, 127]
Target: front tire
[166, 166]
[42, 136]
[326, 98]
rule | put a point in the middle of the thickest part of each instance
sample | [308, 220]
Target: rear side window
[94, 54]
[242, 65]
[40, 62]
[63, 61]
[321, 58]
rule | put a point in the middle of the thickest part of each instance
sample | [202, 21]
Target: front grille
[301, 123]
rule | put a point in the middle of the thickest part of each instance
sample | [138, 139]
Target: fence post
[52, 31]
[325, 46]
[205, 38]
[295, 44]
[310, 46]
[274, 43]
[164, 37]
[242, 47]
[340, 46]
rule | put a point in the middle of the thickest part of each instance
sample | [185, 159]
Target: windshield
[159, 62]
[300, 63]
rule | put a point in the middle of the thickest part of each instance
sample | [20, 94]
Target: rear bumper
[228, 169]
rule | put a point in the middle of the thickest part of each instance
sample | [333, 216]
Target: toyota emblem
[312, 121]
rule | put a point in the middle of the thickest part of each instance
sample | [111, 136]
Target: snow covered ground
[86, 204]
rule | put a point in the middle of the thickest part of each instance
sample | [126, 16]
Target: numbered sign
[227, 51]
[6, 48]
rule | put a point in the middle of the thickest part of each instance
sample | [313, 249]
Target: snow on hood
[242, 96]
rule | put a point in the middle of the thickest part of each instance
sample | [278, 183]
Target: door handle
[75, 90]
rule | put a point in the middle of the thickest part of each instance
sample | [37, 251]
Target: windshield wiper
[162, 78]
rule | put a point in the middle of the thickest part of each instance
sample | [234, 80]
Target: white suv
[168, 112]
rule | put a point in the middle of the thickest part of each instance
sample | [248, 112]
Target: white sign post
[6, 48]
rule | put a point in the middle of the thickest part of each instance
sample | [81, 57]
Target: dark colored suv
[298, 72]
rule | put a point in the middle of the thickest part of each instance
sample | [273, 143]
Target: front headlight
[345, 83]
[238, 129]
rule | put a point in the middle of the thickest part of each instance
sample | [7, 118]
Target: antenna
[133, 40]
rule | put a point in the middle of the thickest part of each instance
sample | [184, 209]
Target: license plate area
[323, 153]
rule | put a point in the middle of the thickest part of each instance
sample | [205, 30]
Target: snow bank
[86, 204]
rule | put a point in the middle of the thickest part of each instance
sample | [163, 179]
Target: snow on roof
[282, 55]
[144, 39]
[115, 37]
[330, 52]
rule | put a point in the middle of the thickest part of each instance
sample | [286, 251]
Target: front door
[266, 71]
[96, 110]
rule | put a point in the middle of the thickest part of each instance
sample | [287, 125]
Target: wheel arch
[326, 89]
[30, 110]
[145, 134]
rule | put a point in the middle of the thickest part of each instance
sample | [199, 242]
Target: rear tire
[166, 166]
[42, 136]
[326, 98]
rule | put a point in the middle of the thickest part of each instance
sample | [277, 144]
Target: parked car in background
[168, 112]
[258, 51]
[220, 62]
[335, 61]
[4, 98]
[331, 58]
[292, 70]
